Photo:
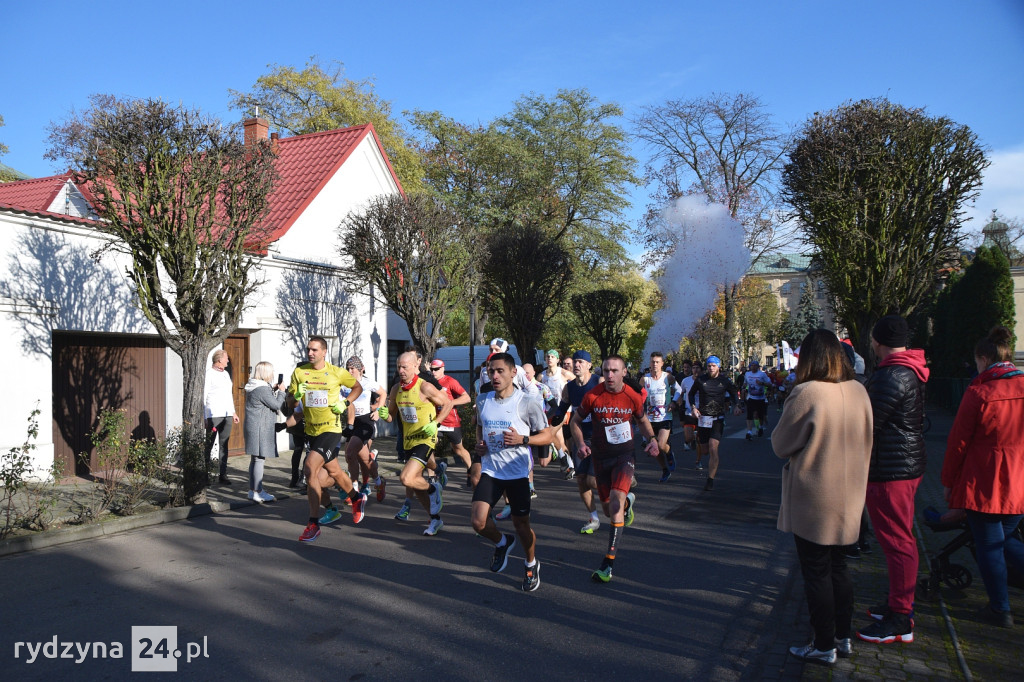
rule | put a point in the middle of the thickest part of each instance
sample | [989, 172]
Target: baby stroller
[942, 570]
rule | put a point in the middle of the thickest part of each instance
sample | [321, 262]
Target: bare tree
[414, 255]
[184, 198]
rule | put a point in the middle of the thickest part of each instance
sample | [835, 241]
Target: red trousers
[891, 507]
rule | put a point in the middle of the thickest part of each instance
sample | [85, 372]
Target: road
[695, 583]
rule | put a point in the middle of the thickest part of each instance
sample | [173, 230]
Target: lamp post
[375, 345]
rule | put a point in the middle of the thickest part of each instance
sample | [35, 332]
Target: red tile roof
[305, 163]
[14, 208]
[35, 194]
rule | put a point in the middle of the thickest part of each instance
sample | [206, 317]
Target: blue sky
[472, 60]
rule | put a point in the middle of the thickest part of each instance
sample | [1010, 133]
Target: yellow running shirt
[323, 389]
[415, 411]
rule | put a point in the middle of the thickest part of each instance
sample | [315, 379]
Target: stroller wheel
[957, 577]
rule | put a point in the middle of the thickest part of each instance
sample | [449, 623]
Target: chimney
[255, 130]
[274, 145]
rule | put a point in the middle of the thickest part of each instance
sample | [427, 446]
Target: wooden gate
[240, 368]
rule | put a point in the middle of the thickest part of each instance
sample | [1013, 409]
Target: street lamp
[375, 345]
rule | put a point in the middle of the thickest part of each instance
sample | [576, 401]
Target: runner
[509, 423]
[757, 384]
[316, 385]
[572, 396]
[614, 407]
[659, 385]
[362, 462]
[709, 396]
[420, 406]
[555, 378]
[433, 466]
[451, 427]
[685, 407]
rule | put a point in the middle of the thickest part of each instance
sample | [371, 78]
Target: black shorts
[757, 409]
[421, 453]
[490, 490]
[363, 428]
[689, 420]
[713, 432]
[327, 444]
[662, 426]
[454, 436]
[583, 464]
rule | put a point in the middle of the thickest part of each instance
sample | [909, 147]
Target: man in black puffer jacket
[896, 389]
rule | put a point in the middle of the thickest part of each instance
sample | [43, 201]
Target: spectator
[896, 389]
[824, 434]
[262, 403]
[984, 467]
[219, 406]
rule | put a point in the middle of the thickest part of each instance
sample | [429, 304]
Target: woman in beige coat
[824, 435]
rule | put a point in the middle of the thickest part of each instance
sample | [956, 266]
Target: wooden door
[238, 356]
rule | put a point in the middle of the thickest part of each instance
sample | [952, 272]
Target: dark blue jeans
[994, 546]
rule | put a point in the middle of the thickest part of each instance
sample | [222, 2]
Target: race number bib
[316, 399]
[408, 414]
[705, 422]
[618, 433]
[495, 441]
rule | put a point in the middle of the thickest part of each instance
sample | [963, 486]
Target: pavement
[720, 598]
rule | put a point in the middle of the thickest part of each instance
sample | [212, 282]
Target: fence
[947, 392]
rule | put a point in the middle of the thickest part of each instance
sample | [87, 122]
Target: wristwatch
[526, 440]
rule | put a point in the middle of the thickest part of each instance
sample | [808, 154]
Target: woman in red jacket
[984, 467]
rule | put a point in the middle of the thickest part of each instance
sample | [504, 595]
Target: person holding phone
[262, 403]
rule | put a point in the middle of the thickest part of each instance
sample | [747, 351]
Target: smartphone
[280, 379]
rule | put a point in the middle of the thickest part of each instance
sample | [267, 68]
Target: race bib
[495, 441]
[408, 414]
[618, 433]
[705, 422]
[316, 399]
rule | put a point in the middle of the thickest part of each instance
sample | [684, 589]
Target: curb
[52, 538]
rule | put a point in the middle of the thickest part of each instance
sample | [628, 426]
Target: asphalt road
[695, 583]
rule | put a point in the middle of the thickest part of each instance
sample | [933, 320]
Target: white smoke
[709, 253]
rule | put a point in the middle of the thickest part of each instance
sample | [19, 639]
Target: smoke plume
[709, 253]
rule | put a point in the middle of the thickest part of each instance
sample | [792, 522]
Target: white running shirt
[495, 417]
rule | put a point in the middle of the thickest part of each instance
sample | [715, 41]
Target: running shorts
[613, 473]
[327, 444]
[490, 490]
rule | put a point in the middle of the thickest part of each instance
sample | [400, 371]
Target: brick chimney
[274, 145]
[255, 130]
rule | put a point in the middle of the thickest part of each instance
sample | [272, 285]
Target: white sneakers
[590, 526]
[261, 496]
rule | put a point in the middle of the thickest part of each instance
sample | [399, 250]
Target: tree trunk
[193, 423]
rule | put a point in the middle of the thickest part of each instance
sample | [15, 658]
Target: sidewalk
[277, 473]
[949, 641]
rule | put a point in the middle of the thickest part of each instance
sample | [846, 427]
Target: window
[786, 289]
[821, 288]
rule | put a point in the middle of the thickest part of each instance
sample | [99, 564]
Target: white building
[74, 341]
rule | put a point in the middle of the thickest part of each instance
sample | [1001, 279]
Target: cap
[713, 360]
[436, 362]
[891, 331]
[499, 343]
[753, 363]
[552, 352]
[581, 355]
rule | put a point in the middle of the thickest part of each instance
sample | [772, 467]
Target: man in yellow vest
[317, 385]
[421, 407]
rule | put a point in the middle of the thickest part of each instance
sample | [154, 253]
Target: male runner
[614, 408]
[659, 385]
[451, 427]
[572, 396]
[362, 462]
[316, 385]
[757, 384]
[421, 407]
[684, 407]
[709, 396]
[509, 422]
[555, 377]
